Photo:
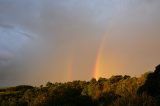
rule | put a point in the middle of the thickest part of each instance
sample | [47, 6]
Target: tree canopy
[117, 90]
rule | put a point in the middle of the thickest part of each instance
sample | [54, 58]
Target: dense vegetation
[116, 91]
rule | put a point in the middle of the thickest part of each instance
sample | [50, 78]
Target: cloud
[70, 31]
[13, 42]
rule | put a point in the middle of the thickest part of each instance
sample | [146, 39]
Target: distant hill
[116, 91]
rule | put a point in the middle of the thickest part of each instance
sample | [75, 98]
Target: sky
[65, 40]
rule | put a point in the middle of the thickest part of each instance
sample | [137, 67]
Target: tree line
[117, 90]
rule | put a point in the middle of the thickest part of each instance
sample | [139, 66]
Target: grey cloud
[72, 30]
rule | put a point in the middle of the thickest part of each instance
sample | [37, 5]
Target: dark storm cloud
[61, 23]
[72, 31]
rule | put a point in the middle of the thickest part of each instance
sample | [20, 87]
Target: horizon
[61, 41]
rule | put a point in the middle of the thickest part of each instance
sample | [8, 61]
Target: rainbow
[99, 59]
[69, 65]
[98, 67]
[69, 70]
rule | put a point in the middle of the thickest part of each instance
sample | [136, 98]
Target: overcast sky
[124, 33]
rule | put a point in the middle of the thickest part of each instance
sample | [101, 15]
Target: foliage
[135, 100]
[115, 91]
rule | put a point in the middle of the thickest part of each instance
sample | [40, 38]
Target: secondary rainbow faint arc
[70, 69]
[70, 62]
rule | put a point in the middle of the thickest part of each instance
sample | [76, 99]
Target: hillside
[116, 91]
